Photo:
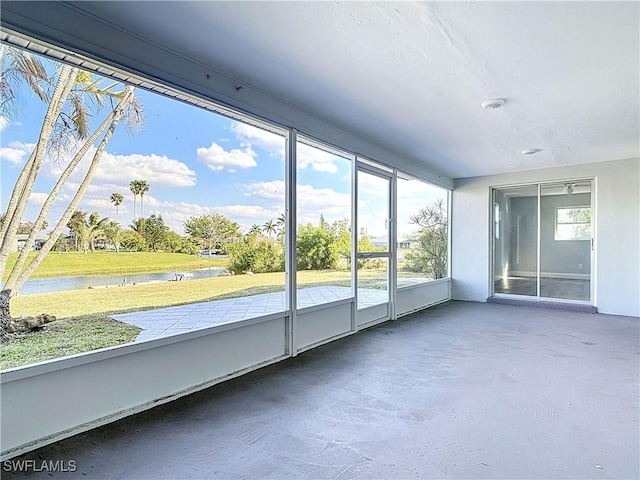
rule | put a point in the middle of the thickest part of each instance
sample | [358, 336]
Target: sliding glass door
[543, 241]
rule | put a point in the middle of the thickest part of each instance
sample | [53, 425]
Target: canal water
[43, 285]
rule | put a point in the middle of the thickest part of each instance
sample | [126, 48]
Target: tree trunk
[22, 258]
[5, 315]
[27, 178]
[48, 244]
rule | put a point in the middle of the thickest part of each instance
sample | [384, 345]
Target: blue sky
[197, 162]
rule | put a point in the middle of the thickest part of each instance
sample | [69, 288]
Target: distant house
[382, 242]
[21, 240]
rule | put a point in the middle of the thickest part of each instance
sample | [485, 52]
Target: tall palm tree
[20, 66]
[134, 186]
[116, 199]
[269, 228]
[144, 188]
[127, 108]
[73, 98]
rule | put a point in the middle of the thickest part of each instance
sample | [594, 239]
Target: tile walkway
[163, 322]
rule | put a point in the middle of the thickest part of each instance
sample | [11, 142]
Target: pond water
[43, 285]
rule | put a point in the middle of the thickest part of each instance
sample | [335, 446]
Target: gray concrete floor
[462, 390]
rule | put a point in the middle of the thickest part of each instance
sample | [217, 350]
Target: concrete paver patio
[163, 322]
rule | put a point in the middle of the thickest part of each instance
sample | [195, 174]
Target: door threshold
[573, 307]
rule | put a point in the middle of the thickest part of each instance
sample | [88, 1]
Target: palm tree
[143, 188]
[114, 233]
[73, 225]
[134, 186]
[255, 230]
[117, 199]
[74, 97]
[77, 92]
[89, 231]
[269, 228]
[20, 66]
[281, 222]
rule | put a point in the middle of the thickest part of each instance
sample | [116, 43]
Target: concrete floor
[462, 390]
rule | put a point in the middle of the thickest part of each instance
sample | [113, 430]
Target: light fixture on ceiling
[530, 151]
[493, 103]
[568, 188]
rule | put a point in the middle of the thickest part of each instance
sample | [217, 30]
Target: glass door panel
[373, 283]
[515, 241]
[565, 240]
[373, 253]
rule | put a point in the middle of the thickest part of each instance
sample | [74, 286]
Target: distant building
[21, 240]
[382, 242]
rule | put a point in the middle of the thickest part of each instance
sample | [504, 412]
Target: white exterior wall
[617, 230]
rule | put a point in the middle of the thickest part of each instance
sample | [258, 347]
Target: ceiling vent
[493, 103]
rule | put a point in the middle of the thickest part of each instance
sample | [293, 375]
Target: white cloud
[16, 152]
[270, 142]
[158, 170]
[312, 202]
[217, 158]
[37, 198]
[318, 160]
[271, 191]
[308, 157]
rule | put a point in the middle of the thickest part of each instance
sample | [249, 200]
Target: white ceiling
[412, 75]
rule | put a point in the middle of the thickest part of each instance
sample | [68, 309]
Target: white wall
[617, 230]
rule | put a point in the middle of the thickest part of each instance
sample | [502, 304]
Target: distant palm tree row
[137, 187]
[270, 227]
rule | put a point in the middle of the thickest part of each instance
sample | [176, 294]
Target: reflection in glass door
[565, 240]
[515, 214]
[542, 241]
[373, 253]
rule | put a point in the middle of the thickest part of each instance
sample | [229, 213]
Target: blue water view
[43, 285]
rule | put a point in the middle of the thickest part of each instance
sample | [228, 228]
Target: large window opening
[180, 224]
[185, 207]
[423, 226]
[323, 237]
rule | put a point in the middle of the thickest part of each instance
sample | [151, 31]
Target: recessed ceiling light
[493, 103]
[530, 151]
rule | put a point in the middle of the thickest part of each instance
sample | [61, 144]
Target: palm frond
[79, 117]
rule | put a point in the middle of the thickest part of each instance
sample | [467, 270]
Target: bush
[256, 256]
[317, 248]
[429, 256]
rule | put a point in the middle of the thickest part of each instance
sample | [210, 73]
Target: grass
[70, 264]
[83, 315]
[65, 337]
[71, 303]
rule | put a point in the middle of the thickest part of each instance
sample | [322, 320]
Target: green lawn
[70, 264]
[83, 315]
